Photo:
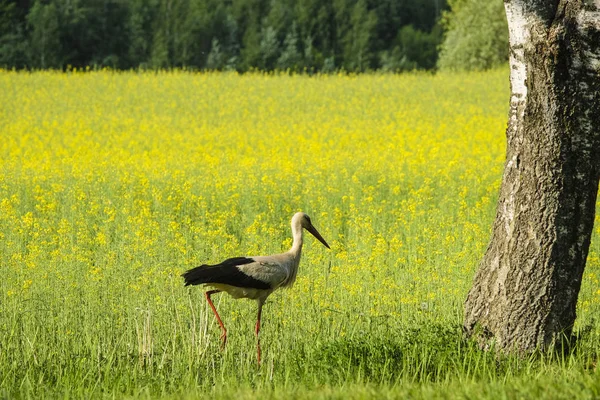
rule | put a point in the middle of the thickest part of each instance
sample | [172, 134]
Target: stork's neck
[297, 243]
[295, 251]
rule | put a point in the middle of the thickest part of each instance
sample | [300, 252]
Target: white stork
[254, 277]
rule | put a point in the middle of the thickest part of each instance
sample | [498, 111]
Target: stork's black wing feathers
[226, 272]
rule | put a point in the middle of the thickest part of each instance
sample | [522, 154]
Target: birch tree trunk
[525, 291]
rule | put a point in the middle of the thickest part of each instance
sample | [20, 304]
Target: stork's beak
[316, 234]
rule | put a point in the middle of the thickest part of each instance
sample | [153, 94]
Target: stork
[254, 277]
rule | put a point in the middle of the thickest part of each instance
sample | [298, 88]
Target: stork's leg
[210, 303]
[257, 329]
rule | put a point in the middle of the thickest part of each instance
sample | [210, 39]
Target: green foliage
[216, 58]
[290, 58]
[414, 49]
[358, 47]
[14, 49]
[313, 35]
[13, 41]
[269, 48]
[139, 28]
[45, 46]
[476, 35]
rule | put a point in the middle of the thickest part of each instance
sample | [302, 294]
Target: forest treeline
[242, 35]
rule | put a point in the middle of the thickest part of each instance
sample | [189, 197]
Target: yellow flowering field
[113, 184]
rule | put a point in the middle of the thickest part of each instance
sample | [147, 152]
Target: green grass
[113, 184]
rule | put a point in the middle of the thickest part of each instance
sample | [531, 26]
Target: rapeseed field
[112, 184]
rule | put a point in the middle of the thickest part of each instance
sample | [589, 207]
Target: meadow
[112, 184]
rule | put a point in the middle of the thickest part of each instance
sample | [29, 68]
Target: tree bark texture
[525, 292]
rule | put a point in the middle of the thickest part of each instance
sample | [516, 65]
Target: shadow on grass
[437, 352]
[430, 353]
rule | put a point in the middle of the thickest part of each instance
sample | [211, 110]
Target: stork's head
[304, 221]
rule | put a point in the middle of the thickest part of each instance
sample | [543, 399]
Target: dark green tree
[360, 39]
[139, 28]
[319, 35]
[44, 44]
[173, 32]
[13, 40]
[316, 31]
[291, 57]
[413, 49]
[248, 15]
[269, 48]
[216, 58]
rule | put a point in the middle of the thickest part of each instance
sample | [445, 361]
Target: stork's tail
[198, 275]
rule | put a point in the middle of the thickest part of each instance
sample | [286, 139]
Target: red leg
[210, 303]
[257, 330]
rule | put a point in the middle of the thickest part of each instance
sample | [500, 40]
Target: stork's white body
[278, 270]
[254, 277]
